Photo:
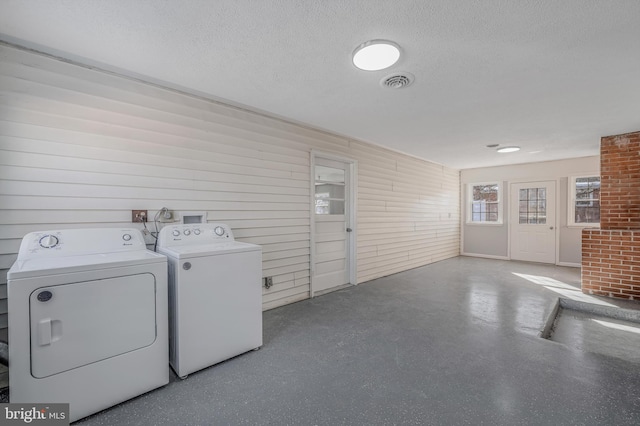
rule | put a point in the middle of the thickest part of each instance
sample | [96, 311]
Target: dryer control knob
[126, 237]
[219, 230]
[49, 241]
[196, 231]
[176, 233]
[187, 232]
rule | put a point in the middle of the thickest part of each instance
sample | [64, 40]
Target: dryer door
[78, 324]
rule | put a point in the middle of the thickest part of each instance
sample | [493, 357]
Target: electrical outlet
[268, 282]
[138, 216]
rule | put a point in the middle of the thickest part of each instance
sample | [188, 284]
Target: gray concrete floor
[587, 332]
[453, 343]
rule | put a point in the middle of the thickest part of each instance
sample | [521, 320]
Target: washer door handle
[186, 266]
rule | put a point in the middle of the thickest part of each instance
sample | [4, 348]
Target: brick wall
[620, 182]
[611, 254]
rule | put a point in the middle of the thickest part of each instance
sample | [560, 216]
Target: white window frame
[571, 210]
[469, 206]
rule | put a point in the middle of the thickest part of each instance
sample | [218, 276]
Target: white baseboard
[569, 264]
[486, 256]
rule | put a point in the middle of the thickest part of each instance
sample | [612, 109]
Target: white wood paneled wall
[82, 148]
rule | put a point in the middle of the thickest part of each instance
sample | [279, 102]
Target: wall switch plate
[138, 216]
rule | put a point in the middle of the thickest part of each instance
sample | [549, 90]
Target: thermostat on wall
[194, 217]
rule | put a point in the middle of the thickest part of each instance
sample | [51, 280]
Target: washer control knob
[219, 230]
[49, 241]
[176, 233]
[196, 231]
[187, 232]
[126, 237]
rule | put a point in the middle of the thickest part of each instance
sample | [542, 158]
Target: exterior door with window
[331, 251]
[533, 221]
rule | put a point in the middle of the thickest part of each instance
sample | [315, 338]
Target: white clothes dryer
[88, 322]
[215, 295]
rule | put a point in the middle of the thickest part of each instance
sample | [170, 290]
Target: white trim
[462, 220]
[571, 202]
[469, 202]
[312, 222]
[557, 224]
[486, 256]
[351, 219]
[569, 264]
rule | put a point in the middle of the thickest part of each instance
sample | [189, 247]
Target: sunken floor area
[453, 343]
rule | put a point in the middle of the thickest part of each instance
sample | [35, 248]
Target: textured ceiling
[550, 76]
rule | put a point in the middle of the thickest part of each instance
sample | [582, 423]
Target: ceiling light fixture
[375, 55]
[506, 149]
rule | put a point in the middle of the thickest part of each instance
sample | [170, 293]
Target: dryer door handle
[44, 332]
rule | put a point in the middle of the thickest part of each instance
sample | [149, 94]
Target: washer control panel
[72, 242]
[192, 234]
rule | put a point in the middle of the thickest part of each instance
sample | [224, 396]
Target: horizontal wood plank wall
[82, 148]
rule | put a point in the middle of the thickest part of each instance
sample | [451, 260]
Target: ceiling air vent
[397, 81]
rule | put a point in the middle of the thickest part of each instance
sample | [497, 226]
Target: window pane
[329, 206]
[487, 193]
[329, 191]
[523, 194]
[542, 207]
[523, 206]
[523, 218]
[329, 174]
[588, 214]
[533, 193]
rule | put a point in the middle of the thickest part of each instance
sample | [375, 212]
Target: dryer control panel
[73, 242]
[193, 234]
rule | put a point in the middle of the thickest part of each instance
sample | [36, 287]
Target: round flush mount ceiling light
[375, 55]
[506, 149]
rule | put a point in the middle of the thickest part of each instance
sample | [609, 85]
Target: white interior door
[331, 254]
[533, 221]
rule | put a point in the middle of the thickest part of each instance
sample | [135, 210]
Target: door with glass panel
[330, 261]
[533, 221]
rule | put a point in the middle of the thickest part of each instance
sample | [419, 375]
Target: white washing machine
[215, 295]
[88, 321]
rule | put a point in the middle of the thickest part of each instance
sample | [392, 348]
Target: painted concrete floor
[453, 343]
[586, 332]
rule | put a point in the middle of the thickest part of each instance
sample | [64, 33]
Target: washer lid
[184, 252]
[62, 265]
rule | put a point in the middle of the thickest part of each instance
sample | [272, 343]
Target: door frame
[351, 217]
[556, 182]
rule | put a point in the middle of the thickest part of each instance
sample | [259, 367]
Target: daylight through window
[586, 200]
[485, 203]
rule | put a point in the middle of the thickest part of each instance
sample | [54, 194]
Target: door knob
[349, 229]
[551, 227]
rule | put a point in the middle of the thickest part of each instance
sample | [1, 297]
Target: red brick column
[611, 254]
[620, 182]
